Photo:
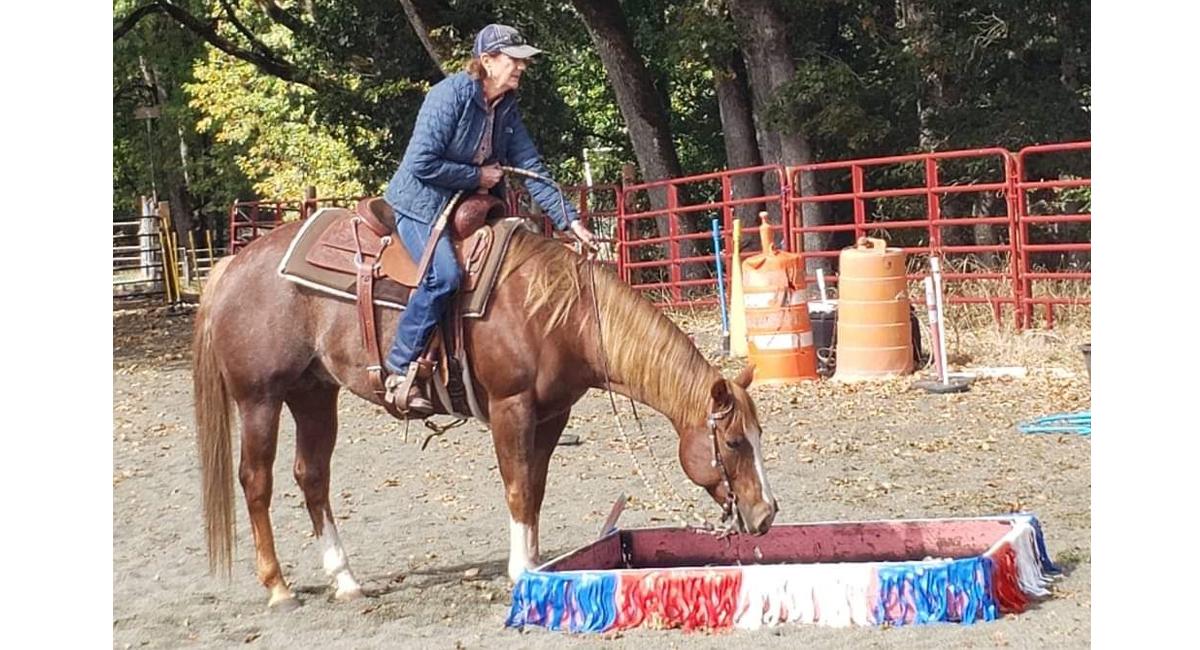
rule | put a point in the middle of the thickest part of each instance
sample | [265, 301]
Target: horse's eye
[735, 442]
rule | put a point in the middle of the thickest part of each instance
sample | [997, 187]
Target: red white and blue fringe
[1002, 580]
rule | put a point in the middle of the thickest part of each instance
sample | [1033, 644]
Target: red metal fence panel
[249, 220]
[914, 206]
[1069, 224]
[676, 267]
[1008, 240]
[597, 205]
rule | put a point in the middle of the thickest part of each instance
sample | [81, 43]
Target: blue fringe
[541, 598]
[1047, 565]
[929, 588]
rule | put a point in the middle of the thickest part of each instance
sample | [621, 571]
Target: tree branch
[284, 17]
[254, 42]
[268, 64]
[422, 19]
[134, 18]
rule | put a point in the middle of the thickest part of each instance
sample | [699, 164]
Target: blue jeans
[428, 300]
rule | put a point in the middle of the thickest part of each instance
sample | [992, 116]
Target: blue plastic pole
[716, 231]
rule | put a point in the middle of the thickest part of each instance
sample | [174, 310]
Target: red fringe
[671, 599]
[1006, 590]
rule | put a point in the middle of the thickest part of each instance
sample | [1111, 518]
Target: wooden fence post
[170, 264]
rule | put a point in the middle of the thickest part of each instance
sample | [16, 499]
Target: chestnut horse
[262, 342]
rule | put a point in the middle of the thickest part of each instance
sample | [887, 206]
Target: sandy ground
[427, 531]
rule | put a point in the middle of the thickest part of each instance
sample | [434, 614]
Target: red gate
[1031, 225]
[713, 196]
[644, 231]
[924, 236]
[598, 210]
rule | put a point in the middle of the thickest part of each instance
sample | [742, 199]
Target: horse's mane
[646, 351]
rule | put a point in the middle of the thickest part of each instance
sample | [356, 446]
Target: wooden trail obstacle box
[897, 572]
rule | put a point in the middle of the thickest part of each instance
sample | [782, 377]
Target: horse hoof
[284, 605]
[349, 594]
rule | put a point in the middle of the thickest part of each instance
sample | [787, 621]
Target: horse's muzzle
[761, 517]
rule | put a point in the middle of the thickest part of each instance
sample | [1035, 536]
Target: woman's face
[504, 71]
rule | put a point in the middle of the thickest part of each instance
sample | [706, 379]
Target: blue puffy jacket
[438, 163]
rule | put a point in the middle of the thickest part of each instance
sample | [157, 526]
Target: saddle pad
[331, 269]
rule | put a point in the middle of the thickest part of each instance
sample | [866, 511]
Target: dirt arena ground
[427, 531]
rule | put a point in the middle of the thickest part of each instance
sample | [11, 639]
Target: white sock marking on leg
[522, 552]
[334, 559]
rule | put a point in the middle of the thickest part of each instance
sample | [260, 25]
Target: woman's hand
[584, 235]
[489, 175]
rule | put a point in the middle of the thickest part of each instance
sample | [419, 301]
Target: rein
[729, 508]
[661, 502]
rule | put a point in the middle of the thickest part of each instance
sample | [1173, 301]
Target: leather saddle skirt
[325, 254]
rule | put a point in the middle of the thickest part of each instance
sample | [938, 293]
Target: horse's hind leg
[315, 412]
[260, 433]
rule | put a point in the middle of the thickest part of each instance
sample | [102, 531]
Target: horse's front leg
[523, 449]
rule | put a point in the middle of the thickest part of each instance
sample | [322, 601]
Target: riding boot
[406, 394]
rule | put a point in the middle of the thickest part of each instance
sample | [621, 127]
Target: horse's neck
[655, 363]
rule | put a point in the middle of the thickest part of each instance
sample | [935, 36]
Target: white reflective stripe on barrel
[761, 299]
[797, 297]
[782, 341]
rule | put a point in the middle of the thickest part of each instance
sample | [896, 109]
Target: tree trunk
[986, 234]
[922, 29]
[645, 117]
[175, 179]
[768, 55]
[737, 127]
[1064, 20]
[644, 114]
[423, 16]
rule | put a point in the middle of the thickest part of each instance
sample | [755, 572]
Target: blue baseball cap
[502, 38]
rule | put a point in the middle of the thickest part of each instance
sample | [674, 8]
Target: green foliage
[1005, 68]
[268, 127]
[165, 51]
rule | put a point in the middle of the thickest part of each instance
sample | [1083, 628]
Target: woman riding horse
[557, 326]
[468, 125]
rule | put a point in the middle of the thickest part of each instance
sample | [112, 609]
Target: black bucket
[823, 318]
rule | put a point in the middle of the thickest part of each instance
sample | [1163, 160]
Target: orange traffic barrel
[778, 332]
[874, 330]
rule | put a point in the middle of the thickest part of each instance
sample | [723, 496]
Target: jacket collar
[506, 101]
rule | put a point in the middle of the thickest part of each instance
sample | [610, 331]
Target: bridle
[729, 509]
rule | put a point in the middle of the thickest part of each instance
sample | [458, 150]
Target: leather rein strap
[439, 227]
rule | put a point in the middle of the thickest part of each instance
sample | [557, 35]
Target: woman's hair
[475, 68]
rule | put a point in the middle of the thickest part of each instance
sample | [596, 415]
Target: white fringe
[1029, 565]
[833, 595]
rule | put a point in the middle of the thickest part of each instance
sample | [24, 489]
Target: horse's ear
[745, 376]
[720, 393]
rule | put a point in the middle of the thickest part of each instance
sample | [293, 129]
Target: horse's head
[724, 455]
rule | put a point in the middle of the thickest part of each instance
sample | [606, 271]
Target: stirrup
[405, 395]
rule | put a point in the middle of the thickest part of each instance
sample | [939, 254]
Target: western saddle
[473, 242]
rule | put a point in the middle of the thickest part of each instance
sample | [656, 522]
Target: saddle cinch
[357, 255]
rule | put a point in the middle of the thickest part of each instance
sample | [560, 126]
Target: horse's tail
[213, 417]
